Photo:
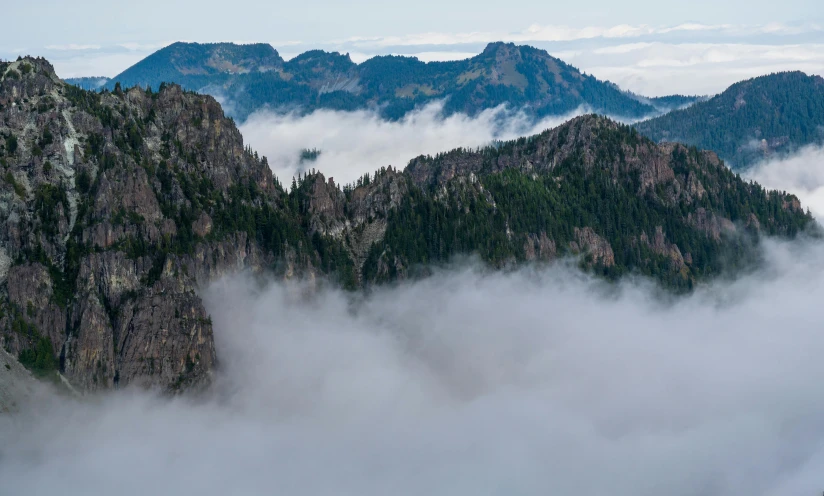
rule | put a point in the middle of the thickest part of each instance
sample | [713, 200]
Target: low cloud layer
[534, 382]
[353, 143]
[801, 173]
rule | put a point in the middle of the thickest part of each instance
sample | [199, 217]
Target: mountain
[751, 120]
[194, 65]
[88, 83]
[118, 206]
[252, 77]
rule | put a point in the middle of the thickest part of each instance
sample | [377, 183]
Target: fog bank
[357, 142]
[801, 173]
[540, 381]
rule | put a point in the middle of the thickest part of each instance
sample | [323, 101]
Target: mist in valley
[535, 381]
[354, 143]
[801, 173]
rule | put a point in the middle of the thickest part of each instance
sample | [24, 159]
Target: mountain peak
[494, 46]
[31, 66]
[182, 60]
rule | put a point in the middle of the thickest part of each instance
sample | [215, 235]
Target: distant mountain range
[751, 120]
[247, 78]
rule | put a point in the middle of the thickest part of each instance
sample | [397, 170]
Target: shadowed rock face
[116, 207]
[97, 190]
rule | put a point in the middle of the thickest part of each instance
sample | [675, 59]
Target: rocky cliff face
[116, 207]
[107, 225]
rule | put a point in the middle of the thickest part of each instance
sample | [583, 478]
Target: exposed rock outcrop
[590, 244]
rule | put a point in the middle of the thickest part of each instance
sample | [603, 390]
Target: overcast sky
[643, 45]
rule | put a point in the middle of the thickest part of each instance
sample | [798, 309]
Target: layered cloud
[657, 68]
[543, 33]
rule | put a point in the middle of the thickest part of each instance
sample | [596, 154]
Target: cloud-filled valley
[354, 143]
[536, 381]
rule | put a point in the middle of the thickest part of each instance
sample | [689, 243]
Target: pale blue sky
[108, 21]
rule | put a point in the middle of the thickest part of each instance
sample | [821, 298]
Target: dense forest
[751, 120]
[255, 76]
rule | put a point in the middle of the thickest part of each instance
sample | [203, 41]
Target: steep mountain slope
[251, 77]
[750, 120]
[118, 206]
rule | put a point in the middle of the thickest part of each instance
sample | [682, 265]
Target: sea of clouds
[538, 381]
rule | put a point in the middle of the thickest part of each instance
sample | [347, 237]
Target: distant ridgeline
[254, 76]
[752, 120]
[118, 206]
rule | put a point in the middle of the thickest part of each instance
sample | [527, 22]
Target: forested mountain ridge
[591, 187]
[117, 206]
[252, 77]
[751, 120]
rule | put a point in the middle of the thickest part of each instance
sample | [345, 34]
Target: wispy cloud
[658, 68]
[556, 33]
[143, 47]
[801, 173]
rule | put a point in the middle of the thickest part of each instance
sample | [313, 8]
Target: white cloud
[625, 48]
[801, 174]
[356, 142]
[530, 382]
[659, 68]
